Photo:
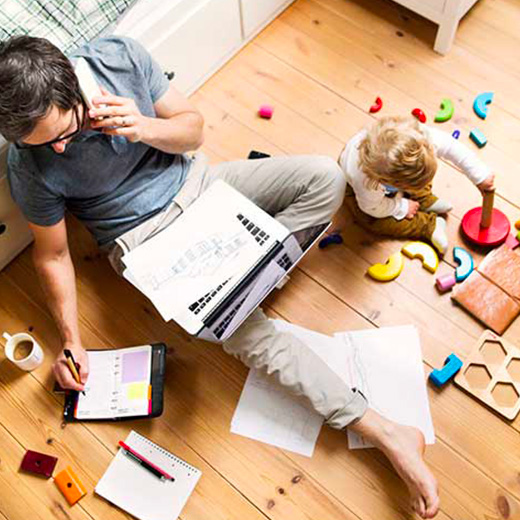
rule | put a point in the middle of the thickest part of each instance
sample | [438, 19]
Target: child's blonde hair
[395, 151]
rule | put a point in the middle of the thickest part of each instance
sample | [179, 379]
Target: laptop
[217, 262]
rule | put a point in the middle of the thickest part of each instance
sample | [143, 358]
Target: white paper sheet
[385, 364]
[267, 413]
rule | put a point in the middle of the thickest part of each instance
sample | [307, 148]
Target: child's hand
[413, 208]
[487, 184]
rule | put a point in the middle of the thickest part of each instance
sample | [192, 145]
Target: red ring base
[491, 236]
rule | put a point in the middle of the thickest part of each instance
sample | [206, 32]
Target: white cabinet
[193, 38]
[257, 13]
[198, 45]
[446, 13]
[14, 232]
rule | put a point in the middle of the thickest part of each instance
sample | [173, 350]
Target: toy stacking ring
[486, 226]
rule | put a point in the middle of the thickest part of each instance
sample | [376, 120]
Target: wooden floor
[321, 64]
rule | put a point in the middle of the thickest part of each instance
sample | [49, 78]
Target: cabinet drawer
[190, 37]
[255, 13]
[14, 232]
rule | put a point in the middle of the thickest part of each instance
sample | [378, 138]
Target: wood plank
[452, 412]
[321, 77]
[212, 495]
[202, 390]
[226, 374]
[223, 378]
[245, 83]
[449, 183]
[420, 314]
[381, 20]
[29, 496]
[33, 427]
[330, 59]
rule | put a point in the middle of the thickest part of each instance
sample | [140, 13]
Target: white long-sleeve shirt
[373, 200]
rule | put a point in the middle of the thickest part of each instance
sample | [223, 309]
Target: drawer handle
[3, 228]
[169, 75]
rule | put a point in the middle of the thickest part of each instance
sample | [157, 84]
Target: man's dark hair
[34, 75]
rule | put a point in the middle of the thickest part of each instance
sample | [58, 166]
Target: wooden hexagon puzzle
[491, 373]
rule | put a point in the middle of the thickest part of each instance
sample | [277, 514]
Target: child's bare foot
[404, 447]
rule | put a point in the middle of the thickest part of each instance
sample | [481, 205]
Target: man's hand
[62, 371]
[487, 184]
[120, 117]
[413, 208]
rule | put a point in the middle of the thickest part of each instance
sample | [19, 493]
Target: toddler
[390, 167]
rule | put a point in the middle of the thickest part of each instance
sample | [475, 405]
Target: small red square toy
[39, 463]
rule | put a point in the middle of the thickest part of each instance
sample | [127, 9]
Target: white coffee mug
[35, 357]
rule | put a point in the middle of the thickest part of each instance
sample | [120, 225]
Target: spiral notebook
[134, 489]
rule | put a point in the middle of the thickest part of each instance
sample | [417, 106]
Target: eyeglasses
[72, 135]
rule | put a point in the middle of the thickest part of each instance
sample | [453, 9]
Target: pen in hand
[72, 366]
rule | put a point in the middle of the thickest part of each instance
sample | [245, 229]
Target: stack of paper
[385, 364]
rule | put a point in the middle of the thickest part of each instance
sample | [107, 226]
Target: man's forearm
[59, 284]
[178, 134]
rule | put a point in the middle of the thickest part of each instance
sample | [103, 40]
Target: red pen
[145, 463]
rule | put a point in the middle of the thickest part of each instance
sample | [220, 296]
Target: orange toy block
[502, 267]
[487, 302]
[70, 485]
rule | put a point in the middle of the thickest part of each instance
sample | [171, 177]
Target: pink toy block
[266, 111]
[512, 241]
[446, 282]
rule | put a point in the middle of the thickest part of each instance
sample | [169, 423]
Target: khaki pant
[299, 192]
[420, 226]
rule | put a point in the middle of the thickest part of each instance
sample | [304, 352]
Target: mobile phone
[88, 85]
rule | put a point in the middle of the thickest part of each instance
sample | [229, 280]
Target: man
[121, 169]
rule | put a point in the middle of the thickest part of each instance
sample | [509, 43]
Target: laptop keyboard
[223, 325]
[259, 234]
[261, 237]
[285, 262]
[197, 306]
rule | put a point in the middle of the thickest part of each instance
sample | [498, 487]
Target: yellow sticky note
[137, 391]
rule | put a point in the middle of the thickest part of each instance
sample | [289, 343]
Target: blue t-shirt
[107, 182]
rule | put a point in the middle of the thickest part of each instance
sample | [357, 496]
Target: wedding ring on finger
[124, 122]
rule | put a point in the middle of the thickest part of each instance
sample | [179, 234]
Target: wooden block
[39, 463]
[424, 252]
[502, 267]
[446, 282]
[266, 111]
[70, 485]
[491, 373]
[511, 241]
[480, 105]
[465, 263]
[388, 271]
[478, 137]
[487, 302]
[439, 377]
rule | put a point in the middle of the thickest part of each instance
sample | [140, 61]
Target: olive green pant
[422, 225]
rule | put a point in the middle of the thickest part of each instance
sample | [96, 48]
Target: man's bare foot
[404, 447]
